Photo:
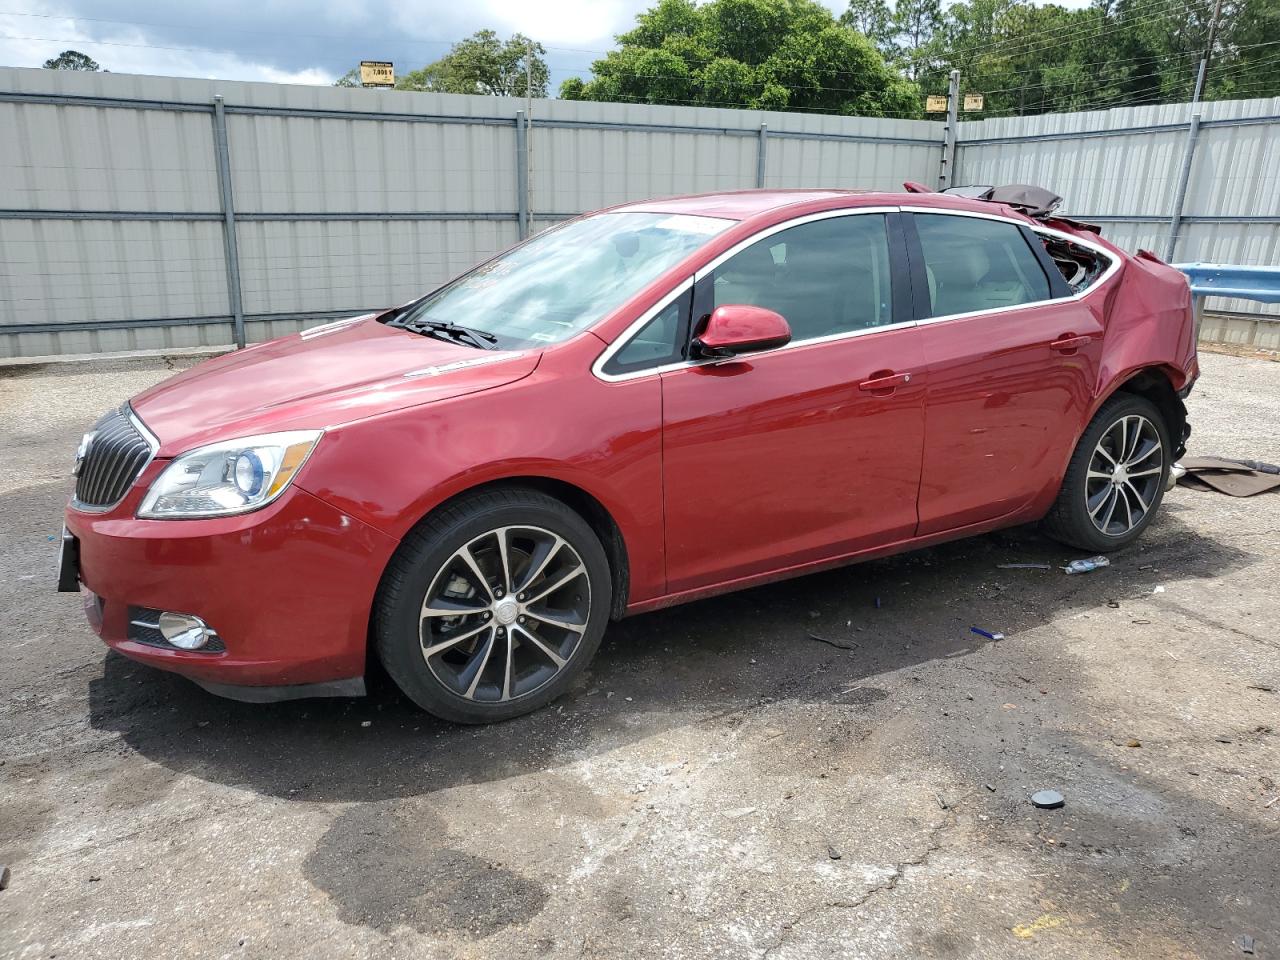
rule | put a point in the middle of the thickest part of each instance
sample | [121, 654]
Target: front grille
[117, 452]
[144, 627]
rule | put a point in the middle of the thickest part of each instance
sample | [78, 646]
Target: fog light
[184, 631]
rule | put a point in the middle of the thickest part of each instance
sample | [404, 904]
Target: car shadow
[821, 638]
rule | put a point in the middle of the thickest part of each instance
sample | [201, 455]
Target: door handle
[1069, 343]
[884, 382]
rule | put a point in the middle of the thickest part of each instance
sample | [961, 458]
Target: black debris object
[4, 877]
[1246, 944]
[1047, 799]
[838, 644]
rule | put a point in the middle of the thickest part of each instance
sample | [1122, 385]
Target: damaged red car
[641, 406]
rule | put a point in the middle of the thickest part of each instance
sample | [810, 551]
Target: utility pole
[1208, 53]
[946, 174]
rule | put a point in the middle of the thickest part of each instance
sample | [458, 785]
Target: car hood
[320, 378]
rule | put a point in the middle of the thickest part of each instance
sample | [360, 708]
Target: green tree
[761, 54]
[72, 60]
[913, 26]
[484, 64]
[349, 79]
[873, 19]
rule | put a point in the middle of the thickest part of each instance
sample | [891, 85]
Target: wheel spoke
[508, 669]
[1138, 496]
[1103, 450]
[1124, 440]
[554, 657]
[1111, 509]
[1128, 509]
[557, 621]
[1104, 496]
[452, 641]
[538, 563]
[448, 607]
[506, 582]
[576, 571]
[482, 582]
[475, 667]
[1139, 458]
[1099, 475]
[1146, 473]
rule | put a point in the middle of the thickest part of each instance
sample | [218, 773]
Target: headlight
[234, 476]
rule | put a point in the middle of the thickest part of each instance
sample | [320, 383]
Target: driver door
[810, 451]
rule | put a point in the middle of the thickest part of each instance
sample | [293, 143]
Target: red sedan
[639, 407]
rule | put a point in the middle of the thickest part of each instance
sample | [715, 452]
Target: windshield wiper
[453, 333]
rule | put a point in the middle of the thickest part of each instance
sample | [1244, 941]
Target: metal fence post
[946, 169]
[223, 154]
[762, 151]
[522, 174]
[1175, 216]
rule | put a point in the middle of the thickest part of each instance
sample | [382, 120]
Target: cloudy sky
[302, 41]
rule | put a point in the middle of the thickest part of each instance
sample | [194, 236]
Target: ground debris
[839, 645]
[1047, 799]
[833, 853]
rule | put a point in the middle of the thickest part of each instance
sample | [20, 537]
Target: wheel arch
[581, 502]
[1155, 383]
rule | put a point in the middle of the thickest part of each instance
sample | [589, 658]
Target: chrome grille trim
[120, 450]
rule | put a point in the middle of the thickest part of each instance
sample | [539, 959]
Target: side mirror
[737, 328]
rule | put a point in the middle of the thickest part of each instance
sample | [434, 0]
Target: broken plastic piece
[983, 633]
[1087, 566]
[4, 877]
[1022, 566]
[1047, 799]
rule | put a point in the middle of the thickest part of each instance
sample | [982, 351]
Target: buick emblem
[81, 451]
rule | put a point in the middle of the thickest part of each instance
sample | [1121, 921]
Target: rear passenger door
[1012, 359]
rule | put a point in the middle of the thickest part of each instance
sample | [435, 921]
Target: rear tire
[1115, 481]
[493, 606]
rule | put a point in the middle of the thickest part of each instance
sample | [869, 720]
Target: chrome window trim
[152, 441]
[683, 286]
[1113, 261]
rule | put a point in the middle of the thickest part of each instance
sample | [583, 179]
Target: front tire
[493, 606]
[1116, 479]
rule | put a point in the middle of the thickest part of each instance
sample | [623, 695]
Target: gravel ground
[719, 785]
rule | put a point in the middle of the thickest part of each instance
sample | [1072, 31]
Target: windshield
[565, 279]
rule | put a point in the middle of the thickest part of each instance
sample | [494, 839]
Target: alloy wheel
[505, 613]
[1124, 475]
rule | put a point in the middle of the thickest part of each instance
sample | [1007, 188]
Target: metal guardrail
[1230, 280]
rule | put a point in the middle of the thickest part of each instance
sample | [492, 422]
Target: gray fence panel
[1121, 167]
[111, 219]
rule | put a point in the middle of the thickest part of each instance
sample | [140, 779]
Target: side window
[825, 277]
[658, 342]
[974, 264]
[1080, 266]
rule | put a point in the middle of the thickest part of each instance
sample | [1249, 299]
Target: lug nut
[487, 614]
[520, 620]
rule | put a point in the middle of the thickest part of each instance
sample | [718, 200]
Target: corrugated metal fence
[1121, 168]
[152, 212]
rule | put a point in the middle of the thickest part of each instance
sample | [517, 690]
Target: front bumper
[288, 588]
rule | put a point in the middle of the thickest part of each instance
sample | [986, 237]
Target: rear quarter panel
[1149, 323]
